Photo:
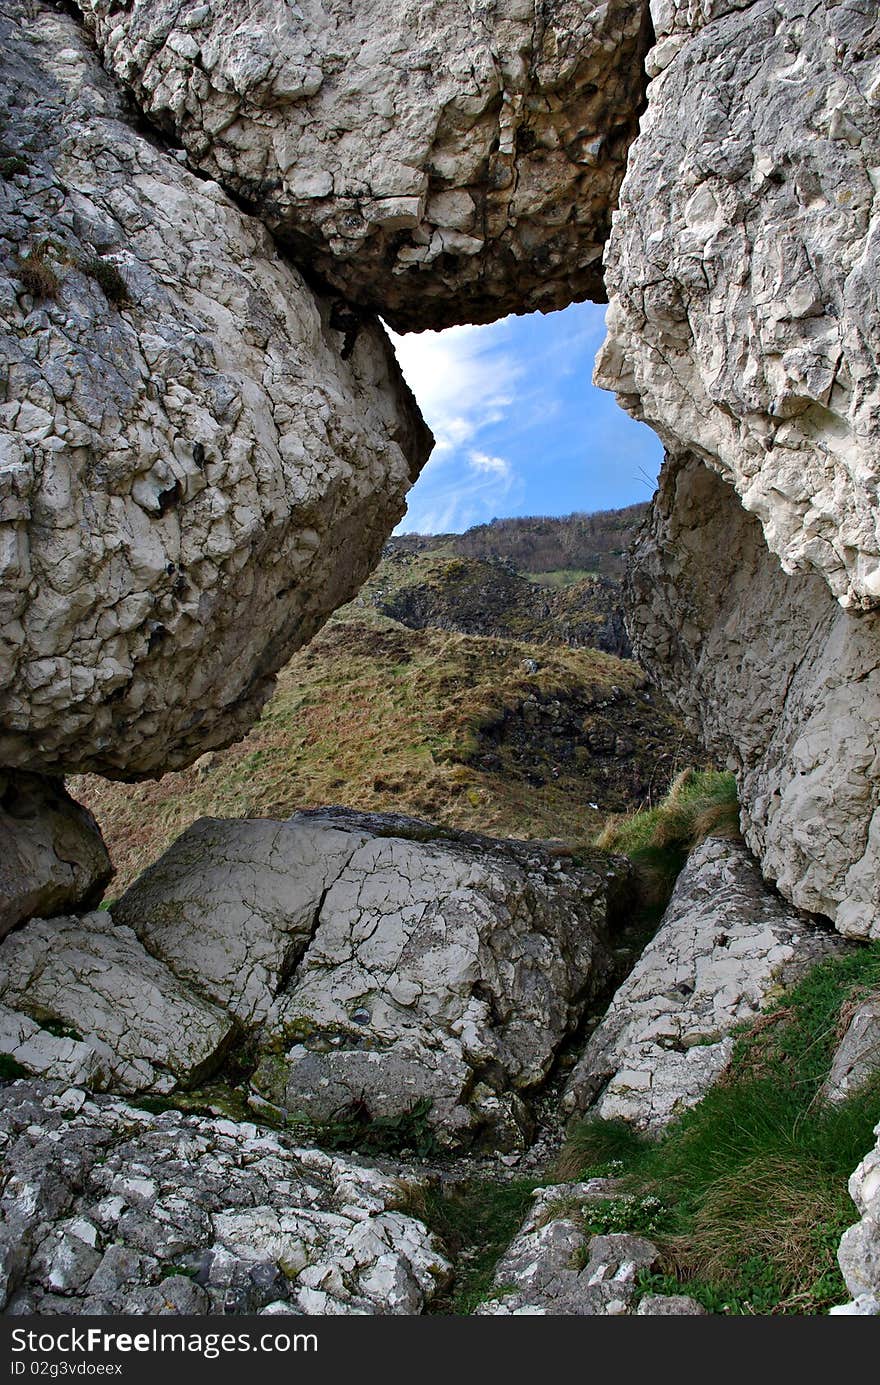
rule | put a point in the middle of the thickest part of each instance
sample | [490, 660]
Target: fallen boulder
[444, 968]
[724, 945]
[95, 983]
[194, 469]
[53, 856]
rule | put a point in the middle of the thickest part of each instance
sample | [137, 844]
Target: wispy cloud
[467, 382]
[464, 379]
[518, 426]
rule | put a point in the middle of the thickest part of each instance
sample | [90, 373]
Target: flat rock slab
[110, 1209]
[52, 854]
[443, 966]
[725, 943]
[145, 1030]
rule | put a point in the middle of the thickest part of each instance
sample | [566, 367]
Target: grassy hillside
[481, 597]
[590, 543]
[486, 734]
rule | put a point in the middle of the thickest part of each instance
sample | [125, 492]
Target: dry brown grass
[384, 719]
[38, 276]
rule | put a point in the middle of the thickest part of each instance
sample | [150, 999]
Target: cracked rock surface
[724, 943]
[127, 1019]
[191, 476]
[741, 270]
[859, 1252]
[110, 1209]
[449, 968]
[231, 905]
[52, 854]
[553, 1267]
[780, 682]
[385, 961]
[439, 163]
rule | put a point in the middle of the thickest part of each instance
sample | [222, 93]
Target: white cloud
[463, 378]
[466, 380]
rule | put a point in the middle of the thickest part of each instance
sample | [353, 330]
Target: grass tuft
[107, 277]
[754, 1178]
[700, 804]
[38, 276]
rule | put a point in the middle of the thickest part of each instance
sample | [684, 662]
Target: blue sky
[520, 428]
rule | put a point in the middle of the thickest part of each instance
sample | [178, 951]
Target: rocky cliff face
[743, 327]
[778, 679]
[194, 470]
[741, 269]
[441, 163]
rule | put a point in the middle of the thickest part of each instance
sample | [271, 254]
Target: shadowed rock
[440, 164]
[52, 855]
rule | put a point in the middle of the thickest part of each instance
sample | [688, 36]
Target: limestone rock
[130, 1019]
[553, 1267]
[52, 855]
[670, 1306]
[745, 317]
[110, 1209]
[779, 681]
[194, 468]
[441, 163]
[859, 1253]
[857, 1057]
[442, 966]
[724, 944]
[232, 905]
[29, 1048]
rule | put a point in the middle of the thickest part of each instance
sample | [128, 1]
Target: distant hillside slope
[479, 597]
[487, 734]
[588, 543]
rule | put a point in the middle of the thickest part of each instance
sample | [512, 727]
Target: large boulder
[440, 163]
[52, 855]
[725, 943]
[111, 1210]
[779, 680]
[196, 465]
[444, 968]
[132, 1025]
[384, 961]
[741, 271]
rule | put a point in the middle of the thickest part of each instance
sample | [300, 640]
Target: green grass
[476, 1220]
[753, 1180]
[10, 1068]
[561, 577]
[700, 803]
[107, 277]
